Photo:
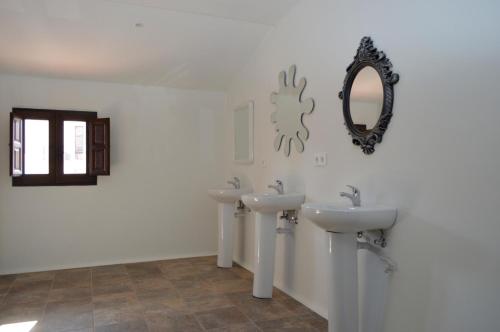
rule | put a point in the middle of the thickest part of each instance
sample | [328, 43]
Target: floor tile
[70, 294]
[146, 293]
[206, 268]
[262, 309]
[28, 291]
[242, 272]
[193, 286]
[109, 270]
[248, 327]
[36, 276]
[130, 326]
[66, 316]
[295, 323]
[143, 269]
[72, 278]
[178, 270]
[221, 274]
[232, 286]
[107, 280]
[116, 309]
[197, 304]
[6, 281]
[202, 259]
[21, 285]
[106, 285]
[111, 289]
[223, 317]
[294, 306]
[161, 322]
[167, 302]
[151, 283]
[25, 312]
[316, 321]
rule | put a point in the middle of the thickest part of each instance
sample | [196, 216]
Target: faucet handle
[278, 184]
[235, 183]
[355, 197]
[278, 187]
[355, 190]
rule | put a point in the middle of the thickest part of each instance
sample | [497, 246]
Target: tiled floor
[175, 295]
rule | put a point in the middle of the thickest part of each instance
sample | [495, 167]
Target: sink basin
[273, 203]
[266, 207]
[342, 224]
[228, 195]
[349, 219]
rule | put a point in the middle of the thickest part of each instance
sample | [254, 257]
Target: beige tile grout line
[249, 319]
[180, 296]
[48, 295]
[199, 324]
[8, 290]
[134, 290]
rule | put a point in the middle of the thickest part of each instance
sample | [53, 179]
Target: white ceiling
[194, 44]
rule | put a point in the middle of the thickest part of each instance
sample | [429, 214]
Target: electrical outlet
[320, 159]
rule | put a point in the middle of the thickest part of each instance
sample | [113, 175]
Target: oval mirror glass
[366, 99]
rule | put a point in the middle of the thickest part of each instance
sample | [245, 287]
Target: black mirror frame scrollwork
[368, 55]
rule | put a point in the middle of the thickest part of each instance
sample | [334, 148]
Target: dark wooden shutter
[99, 147]
[16, 145]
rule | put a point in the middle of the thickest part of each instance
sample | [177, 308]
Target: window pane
[75, 147]
[36, 144]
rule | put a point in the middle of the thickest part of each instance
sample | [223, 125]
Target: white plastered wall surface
[438, 163]
[166, 147]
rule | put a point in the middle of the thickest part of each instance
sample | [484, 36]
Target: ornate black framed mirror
[368, 95]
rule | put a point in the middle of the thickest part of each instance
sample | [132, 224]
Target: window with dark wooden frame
[56, 148]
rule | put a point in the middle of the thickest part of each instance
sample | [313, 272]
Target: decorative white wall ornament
[290, 110]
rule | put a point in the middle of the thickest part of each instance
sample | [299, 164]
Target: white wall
[438, 164]
[165, 149]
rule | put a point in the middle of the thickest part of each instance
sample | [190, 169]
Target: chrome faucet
[278, 187]
[355, 197]
[236, 183]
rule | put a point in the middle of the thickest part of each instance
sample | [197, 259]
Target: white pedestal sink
[226, 198]
[342, 225]
[266, 207]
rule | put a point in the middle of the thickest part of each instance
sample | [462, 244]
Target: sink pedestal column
[265, 246]
[226, 221]
[343, 277]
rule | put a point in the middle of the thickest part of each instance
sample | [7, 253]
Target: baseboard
[105, 262]
[323, 312]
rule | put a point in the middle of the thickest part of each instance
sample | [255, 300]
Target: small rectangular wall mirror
[243, 133]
